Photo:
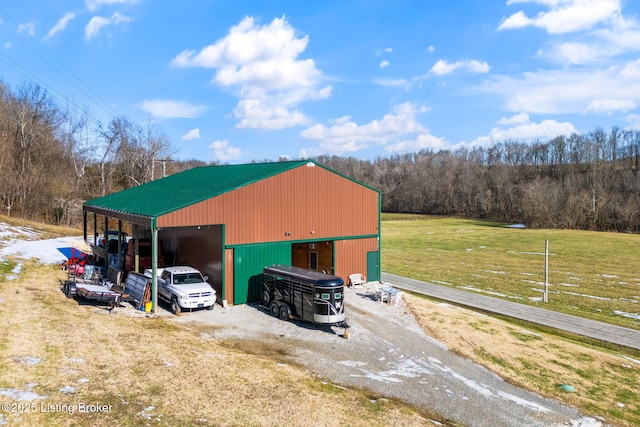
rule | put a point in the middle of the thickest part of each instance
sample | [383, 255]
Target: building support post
[154, 265]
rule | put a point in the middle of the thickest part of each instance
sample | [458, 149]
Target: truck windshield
[185, 278]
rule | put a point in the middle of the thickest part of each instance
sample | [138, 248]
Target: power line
[61, 69]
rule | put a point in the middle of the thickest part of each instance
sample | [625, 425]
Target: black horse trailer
[293, 292]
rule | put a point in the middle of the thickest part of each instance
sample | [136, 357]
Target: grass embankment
[597, 277]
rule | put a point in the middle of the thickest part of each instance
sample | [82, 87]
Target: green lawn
[591, 274]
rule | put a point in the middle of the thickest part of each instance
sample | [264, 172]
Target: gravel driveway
[388, 354]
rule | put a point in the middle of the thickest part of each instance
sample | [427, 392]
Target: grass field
[591, 274]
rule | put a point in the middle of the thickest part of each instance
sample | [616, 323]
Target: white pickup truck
[184, 288]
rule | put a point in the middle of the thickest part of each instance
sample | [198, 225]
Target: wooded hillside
[54, 157]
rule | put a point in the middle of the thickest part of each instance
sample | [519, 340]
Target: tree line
[580, 181]
[54, 157]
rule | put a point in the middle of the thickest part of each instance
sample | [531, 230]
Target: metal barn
[232, 221]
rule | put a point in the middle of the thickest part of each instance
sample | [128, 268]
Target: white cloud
[609, 106]
[564, 16]
[191, 135]
[262, 62]
[443, 67]
[344, 135]
[392, 82]
[61, 24]
[98, 22]
[93, 5]
[28, 28]
[523, 130]
[254, 113]
[384, 64]
[431, 48]
[565, 91]
[634, 122]
[168, 109]
[225, 152]
[515, 119]
[421, 142]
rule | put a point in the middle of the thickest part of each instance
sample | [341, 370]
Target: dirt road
[388, 354]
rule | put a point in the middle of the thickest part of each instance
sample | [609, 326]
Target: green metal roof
[183, 189]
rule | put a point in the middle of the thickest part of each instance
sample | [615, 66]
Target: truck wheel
[211, 306]
[66, 288]
[274, 309]
[266, 298]
[175, 307]
[284, 313]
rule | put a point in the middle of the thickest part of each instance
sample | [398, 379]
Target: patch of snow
[629, 315]
[524, 331]
[45, 251]
[83, 380]
[588, 296]
[586, 422]
[21, 395]
[632, 359]
[146, 412]
[352, 363]
[523, 402]
[27, 360]
[471, 288]
[67, 389]
[15, 271]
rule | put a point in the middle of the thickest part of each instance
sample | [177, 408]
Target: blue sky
[236, 81]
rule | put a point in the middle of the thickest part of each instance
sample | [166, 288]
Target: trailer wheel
[66, 290]
[175, 307]
[274, 309]
[266, 298]
[285, 313]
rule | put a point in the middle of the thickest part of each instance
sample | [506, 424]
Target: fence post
[546, 271]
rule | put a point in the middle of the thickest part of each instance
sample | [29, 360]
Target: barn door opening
[316, 256]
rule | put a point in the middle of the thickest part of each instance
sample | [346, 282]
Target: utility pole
[164, 165]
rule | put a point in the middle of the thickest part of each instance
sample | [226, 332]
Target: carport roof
[142, 203]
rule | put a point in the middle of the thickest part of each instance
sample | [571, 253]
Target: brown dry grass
[153, 372]
[539, 361]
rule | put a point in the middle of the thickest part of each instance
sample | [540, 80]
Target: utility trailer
[90, 289]
[292, 292]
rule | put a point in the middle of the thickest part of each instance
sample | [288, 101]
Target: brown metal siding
[228, 276]
[305, 203]
[351, 256]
